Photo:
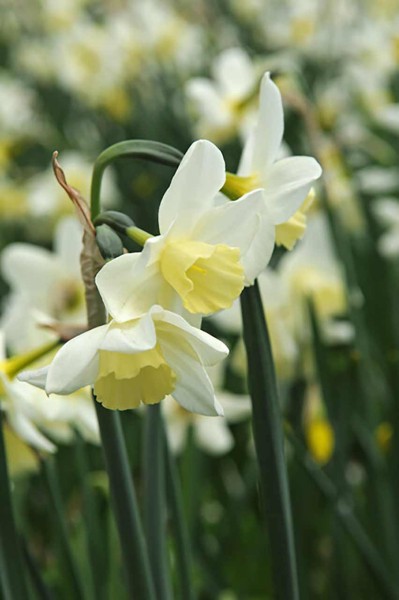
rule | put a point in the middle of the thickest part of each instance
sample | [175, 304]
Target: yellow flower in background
[383, 436]
[318, 431]
[320, 439]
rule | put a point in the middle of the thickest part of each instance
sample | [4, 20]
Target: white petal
[37, 377]
[388, 244]
[29, 432]
[176, 424]
[200, 176]
[3, 354]
[270, 126]
[229, 320]
[386, 210]
[236, 407]
[208, 102]
[128, 286]
[209, 349]
[245, 223]
[246, 166]
[68, 244]
[258, 255]
[76, 364]
[234, 72]
[213, 435]
[288, 183]
[194, 390]
[30, 269]
[130, 338]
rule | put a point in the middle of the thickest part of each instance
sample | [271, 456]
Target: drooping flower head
[138, 362]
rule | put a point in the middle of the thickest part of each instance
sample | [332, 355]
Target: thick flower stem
[154, 500]
[13, 583]
[137, 569]
[137, 149]
[267, 427]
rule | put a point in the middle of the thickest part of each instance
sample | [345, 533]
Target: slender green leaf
[267, 427]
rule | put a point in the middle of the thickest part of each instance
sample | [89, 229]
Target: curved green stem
[267, 427]
[142, 149]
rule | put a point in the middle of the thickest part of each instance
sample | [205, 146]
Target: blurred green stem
[63, 536]
[154, 500]
[13, 582]
[175, 503]
[267, 427]
[42, 592]
[344, 511]
[91, 521]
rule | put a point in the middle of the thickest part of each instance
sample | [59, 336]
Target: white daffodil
[139, 361]
[45, 286]
[33, 420]
[212, 435]
[208, 249]
[224, 103]
[286, 183]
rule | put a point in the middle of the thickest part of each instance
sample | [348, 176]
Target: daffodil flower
[224, 103]
[208, 248]
[34, 422]
[138, 361]
[285, 182]
[45, 287]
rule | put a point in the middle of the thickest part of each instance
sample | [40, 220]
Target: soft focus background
[77, 76]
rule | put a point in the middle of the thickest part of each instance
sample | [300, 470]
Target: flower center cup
[126, 380]
[207, 277]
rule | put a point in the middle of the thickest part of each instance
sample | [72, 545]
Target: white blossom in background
[45, 287]
[225, 104]
[386, 211]
[310, 271]
[137, 362]
[313, 272]
[36, 422]
[276, 303]
[211, 435]
[379, 180]
[46, 199]
[19, 117]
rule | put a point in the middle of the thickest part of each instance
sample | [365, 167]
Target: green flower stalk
[268, 434]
